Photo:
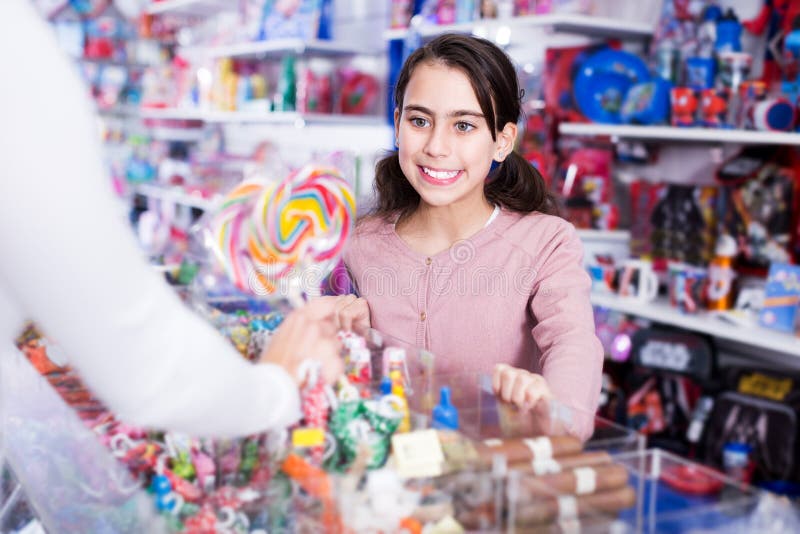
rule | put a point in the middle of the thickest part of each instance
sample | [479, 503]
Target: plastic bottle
[445, 414]
[721, 275]
[287, 89]
[400, 392]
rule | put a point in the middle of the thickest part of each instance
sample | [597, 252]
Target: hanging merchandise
[684, 224]
[584, 182]
[756, 417]
[673, 369]
[758, 207]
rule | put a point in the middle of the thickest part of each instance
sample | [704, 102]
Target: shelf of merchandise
[267, 117]
[278, 48]
[678, 135]
[174, 195]
[560, 22]
[188, 7]
[705, 322]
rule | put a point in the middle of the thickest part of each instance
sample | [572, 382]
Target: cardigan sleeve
[571, 357]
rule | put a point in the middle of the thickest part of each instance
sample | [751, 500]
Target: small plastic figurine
[712, 108]
[684, 106]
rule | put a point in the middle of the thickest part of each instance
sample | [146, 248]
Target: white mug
[646, 288]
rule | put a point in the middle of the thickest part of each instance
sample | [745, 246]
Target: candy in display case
[641, 491]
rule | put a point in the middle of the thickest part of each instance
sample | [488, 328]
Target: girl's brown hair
[514, 184]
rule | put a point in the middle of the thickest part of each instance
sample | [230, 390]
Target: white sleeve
[70, 261]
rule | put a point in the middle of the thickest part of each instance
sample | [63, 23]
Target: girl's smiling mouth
[437, 176]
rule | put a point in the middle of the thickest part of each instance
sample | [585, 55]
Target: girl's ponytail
[516, 185]
[395, 195]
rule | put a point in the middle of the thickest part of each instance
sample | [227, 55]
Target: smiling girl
[462, 254]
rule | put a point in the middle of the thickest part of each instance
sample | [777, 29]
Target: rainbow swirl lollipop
[302, 224]
[229, 232]
[263, 233]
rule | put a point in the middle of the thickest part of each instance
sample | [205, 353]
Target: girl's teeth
[441, 175]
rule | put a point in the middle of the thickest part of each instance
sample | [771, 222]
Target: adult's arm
[70, 262]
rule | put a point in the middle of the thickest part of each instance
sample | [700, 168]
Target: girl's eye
[419, 122]
[464, 127]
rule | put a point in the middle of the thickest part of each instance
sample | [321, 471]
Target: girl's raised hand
[519, 387]
[351, 314]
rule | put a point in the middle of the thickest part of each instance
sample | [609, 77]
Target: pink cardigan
[515, 292]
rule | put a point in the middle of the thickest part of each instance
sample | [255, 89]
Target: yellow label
[764, 386]
[308, 437]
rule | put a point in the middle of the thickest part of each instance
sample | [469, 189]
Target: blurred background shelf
[278, 48]
[705, 322]
[174, 195]
[671, 133]
[189, 7]
[266, 117]
[556, 22]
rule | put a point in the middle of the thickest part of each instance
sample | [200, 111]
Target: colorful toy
[684, 106]
[713, 108]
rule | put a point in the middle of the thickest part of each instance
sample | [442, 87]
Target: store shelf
[559, 22]
[675, 134]
[174, 195]
[269, 117]
[277, 48]
[621, 236]
[188, 7]
[706, 322]
[185, 135]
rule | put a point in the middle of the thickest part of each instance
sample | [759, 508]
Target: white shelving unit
[176, 196]
[557, 22]
[622, 236]
[706, 322]
[277, 48]
[188, 7]
[675, 134]
[263, 117]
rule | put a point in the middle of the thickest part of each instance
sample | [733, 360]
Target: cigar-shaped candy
[517, 450]
[567, 507]
[578, 481]
[562, 463]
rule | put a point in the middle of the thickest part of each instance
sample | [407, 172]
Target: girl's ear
[505, 141]
[396, 123]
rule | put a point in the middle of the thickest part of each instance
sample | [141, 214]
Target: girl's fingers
[497, 376]
[522, 385]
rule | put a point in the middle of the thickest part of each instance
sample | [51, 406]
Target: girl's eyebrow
[451, 114]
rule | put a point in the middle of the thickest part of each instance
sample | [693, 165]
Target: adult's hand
[307, 333]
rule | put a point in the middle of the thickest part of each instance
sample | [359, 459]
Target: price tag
[418, 454]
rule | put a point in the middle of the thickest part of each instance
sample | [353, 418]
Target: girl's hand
[351, 314]
[519, 387]
[308, 333]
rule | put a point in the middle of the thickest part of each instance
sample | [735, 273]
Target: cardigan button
[428, 261]
[422, 316]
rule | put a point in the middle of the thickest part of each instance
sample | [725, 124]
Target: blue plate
[603, 80]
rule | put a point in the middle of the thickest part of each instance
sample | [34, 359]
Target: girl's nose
[438, 144]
